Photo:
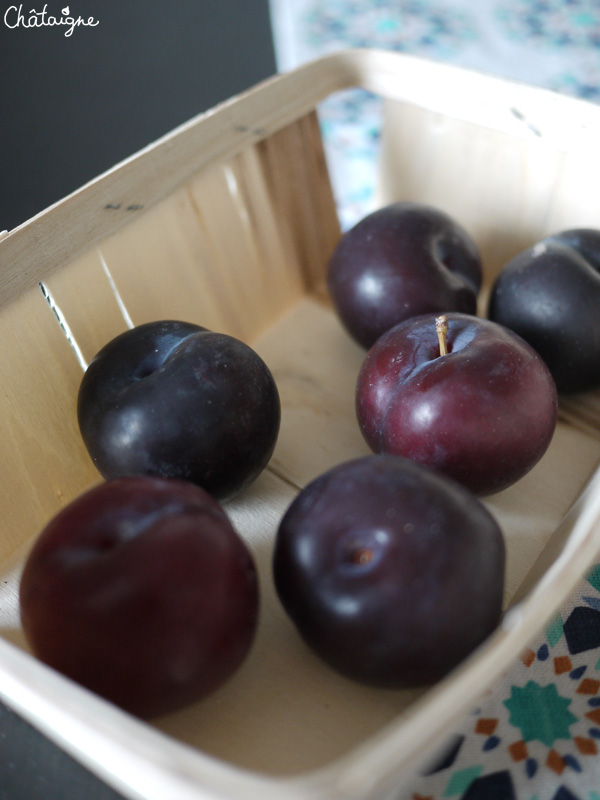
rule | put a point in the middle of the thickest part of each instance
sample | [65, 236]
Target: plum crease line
[115, 291]
[64, 325]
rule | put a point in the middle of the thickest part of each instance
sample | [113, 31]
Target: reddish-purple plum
[175, 400]
[483, 413]
[391, 573]
[550, 295]
[142, 591]
[402, 260]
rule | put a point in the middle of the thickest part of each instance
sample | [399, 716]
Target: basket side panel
[44, 463]
[232, 249]
[83, 296]
[508, 191]
[298, 181]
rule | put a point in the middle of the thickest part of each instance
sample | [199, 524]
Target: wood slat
[83, 295]
[259, 274]
[508, 191]
[44, 463]
[315, 365]
[218, 251]
[298, 181]
[582, 410]
[163, 267]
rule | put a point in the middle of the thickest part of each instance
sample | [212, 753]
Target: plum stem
[441, 327]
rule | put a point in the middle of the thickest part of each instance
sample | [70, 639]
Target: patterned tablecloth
[537, 735]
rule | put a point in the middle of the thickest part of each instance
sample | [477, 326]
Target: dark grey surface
[70, 108]
[32, 768]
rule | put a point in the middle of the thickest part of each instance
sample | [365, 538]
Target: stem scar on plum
[361, 556]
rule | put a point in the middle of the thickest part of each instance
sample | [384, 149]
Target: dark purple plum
[142, 591]
[483, 414]
[391, 573]
[403, 260]
[550, 295]
[175, 400]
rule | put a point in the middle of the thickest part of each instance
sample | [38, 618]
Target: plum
[482, 413]
[402, 260]
[550, 295]
[175, 400]
[142, 591]
[391, 573]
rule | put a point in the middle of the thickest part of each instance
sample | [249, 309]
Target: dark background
[72, 107]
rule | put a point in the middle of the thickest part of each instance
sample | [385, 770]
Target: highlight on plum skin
[142, 591]
[174, 400]
[484, 413]
[391, 573]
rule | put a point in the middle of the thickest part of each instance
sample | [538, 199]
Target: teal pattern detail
[554, 631]
[461, 780]
[540, 713]
[593, 577]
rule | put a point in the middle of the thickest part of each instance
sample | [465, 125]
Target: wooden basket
[229, 222]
